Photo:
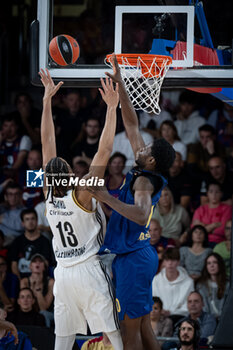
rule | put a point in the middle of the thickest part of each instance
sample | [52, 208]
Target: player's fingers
[111, 84]
[115, 63]
[102, 93]
[110, 76]
[58, 86]
[103, 84]
[107, 82]
[117, 87]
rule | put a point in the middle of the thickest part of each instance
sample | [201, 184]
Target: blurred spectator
[26, 315]
[218, 173]
[173, 285]
[41, 285]
[213, 285]
[4, 184]
[157, 241]
[69, 124]
[173, 218]
[222, 121]
[199, 153]
[224, 248]
[26, 245]
[10, 222]
[88, 147]
[13, 149]
[206, 321]
[189, 336]
[80, 168]
[192, 257]
[90, 37]
[230, 161]
[213, 215]
[100, 343]
[10, 338]
[150, 122]
[169, 132]
[3, 250]
[29, 117]
[188, 119]
[32, 195]
[9, 286]
[162, 326]
[121, 144]
[115, 178]
[179, 182]
[43, 224]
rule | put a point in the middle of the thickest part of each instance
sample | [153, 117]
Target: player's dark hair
[58, 169]
[157, 300]
[171, 254]
[28, 211]
[195, 325]
[208, 128]
[189, 242]
[164, 155]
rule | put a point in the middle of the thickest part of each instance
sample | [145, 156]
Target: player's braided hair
[58, 169]
[164, 155]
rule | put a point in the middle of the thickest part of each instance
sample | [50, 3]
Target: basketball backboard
[141, 27]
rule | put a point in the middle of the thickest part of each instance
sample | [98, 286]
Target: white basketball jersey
[77, 232]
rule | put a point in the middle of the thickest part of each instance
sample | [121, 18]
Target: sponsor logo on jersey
[62, 254]
[59, 204]
[59, 212]
[144, 236]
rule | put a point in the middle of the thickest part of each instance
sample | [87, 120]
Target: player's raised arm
[129, 115]
[111, 98]
[47, 126]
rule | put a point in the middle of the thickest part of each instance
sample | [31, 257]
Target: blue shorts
[133, 274]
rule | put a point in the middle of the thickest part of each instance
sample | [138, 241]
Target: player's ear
[152, 161]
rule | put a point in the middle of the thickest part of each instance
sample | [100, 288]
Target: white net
[143, 81]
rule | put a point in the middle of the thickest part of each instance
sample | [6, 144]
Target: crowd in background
[190, 227]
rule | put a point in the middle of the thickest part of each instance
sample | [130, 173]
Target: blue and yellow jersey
[123, 235]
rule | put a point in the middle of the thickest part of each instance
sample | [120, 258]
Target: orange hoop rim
[132, 58]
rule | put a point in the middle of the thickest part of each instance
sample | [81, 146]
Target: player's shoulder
[143, 183]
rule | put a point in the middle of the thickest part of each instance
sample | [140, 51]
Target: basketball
[64, 50]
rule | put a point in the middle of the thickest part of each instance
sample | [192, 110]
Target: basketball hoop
[143, 76]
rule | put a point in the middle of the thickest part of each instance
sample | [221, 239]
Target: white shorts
[83, 293]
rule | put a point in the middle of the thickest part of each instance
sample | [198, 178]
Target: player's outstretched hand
[9, 327]
[116, 76]
[108, 93]
[47, 81]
